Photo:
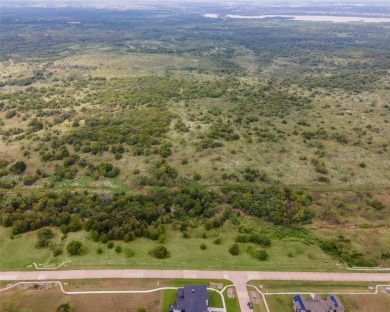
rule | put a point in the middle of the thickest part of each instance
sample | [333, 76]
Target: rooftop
[331, 304]
[191, 298]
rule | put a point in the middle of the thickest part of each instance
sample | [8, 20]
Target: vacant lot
[355, 303]
[49, 300]
[308, 286]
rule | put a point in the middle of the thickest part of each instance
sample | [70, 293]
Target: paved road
[239, 278]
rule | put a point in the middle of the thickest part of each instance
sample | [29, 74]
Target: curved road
[239, 278]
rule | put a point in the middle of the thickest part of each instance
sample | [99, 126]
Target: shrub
[262, 255]
[319, 166]
[258, 254]
[7, 184]
[35, 125]
[243, 238]
[129, 253]
[64, 229]
[340, 247]
[74, 248]
[323, 179]
[256, 238]
[197, 177]
[160, 252]
[203, 247]
[99, 251]
[385, 255]
[260, 239]
[3, 163]
[18, 167]
[110, 245]
[3, 172]
[234, 250]
[44, 236]
[30, 179]
[10, 113]
[65, 307]
[118, 249]
[108, 170]
[217, 241]
[57, 251]
[377, 204]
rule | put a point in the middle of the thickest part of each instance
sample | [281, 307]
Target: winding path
[239, 278]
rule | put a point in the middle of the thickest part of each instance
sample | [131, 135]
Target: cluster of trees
[258, 254]
[254, 237]
[350, 80]
[125, 217]
[267, 102]
[37, 75]
[141, 129]
[277, 205]
[341, 248]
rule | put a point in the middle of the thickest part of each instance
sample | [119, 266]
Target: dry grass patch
[50, 299]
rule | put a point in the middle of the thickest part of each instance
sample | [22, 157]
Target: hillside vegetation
[128, 124]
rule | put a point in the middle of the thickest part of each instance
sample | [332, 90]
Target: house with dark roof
[191, 298]
[331, 304]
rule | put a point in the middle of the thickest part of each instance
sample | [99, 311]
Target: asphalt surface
[239, 278]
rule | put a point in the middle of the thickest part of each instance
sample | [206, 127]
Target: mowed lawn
[18, 253]
[313, 286]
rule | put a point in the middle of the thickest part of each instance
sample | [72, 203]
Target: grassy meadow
[184, 253]
[146, 127]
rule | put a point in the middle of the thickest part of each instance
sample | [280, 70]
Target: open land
[176, 137]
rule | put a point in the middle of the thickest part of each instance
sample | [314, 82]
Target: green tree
[234, 250]
[44, 236]
[18, 167]
[160, 252]
[65, 307]
[74, 248]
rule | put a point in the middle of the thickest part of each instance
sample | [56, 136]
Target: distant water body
[318, 18]
[309, 18]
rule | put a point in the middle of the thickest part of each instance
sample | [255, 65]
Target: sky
[105, 3]
[209, 1]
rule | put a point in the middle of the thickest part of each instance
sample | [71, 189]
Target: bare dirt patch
[254, 297]
[216, 285]
[231, 292]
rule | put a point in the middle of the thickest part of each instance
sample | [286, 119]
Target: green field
[308, 286]
[232, 304]
[185, 253]
[148, 126]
